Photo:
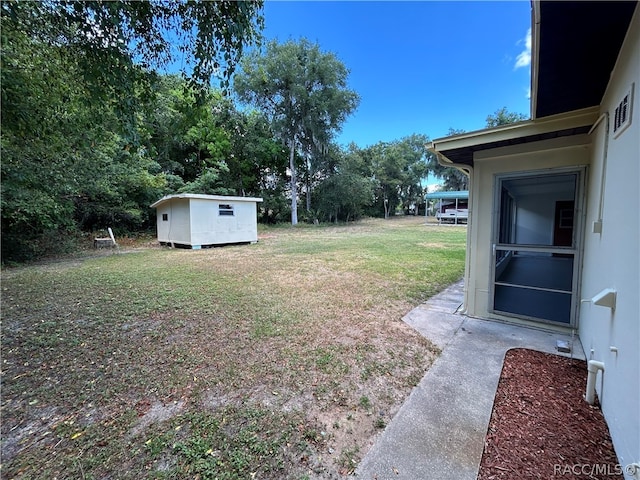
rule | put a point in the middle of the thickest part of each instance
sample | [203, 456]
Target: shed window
[225, 210]
[165, 217]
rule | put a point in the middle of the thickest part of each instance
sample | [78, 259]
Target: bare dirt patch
[154, 413]
[282, 359]
[541, 427]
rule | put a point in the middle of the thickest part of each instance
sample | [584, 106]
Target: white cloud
[524, 58]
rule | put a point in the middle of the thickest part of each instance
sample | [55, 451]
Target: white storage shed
[194, 221]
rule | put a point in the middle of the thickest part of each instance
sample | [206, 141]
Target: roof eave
[473, 141]
[220, 198]
[448, 195]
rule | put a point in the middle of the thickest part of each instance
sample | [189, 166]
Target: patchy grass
[276, 360]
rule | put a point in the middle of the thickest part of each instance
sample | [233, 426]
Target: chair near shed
[105, 242]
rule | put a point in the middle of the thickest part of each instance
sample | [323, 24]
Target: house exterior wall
[535, 157]
[607, 223]
[177, 227]
[208, 227]
[612, 260]
[610, 255]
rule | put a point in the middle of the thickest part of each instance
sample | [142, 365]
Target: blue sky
[418, 66]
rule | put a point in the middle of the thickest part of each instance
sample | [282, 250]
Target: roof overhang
[219, 198]
[448, 195]
[460, 149]
[575, 46]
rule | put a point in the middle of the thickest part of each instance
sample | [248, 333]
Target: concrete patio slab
[439, 431]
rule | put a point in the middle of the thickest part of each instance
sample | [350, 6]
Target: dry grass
[282, 359]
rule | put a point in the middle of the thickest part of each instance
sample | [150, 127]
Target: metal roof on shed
[460, 194]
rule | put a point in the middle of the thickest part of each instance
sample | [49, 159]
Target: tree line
[92, 134]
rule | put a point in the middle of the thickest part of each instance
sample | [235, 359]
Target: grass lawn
[277, 360]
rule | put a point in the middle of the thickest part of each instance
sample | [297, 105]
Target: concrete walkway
[440, 430]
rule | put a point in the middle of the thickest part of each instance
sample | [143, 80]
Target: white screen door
[535, 249]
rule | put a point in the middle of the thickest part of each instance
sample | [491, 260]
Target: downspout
[597, 224]
[592, 368]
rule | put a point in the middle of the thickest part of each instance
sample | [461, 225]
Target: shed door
[536, 246]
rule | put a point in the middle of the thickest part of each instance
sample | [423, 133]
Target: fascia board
[512, 131]
[220, 198]
[535, 55]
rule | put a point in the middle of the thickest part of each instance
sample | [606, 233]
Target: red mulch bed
[541, 426]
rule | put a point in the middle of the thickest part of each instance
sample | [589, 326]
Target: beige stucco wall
[612, 258]
[543, 156]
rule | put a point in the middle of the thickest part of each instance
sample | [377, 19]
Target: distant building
[450, 207]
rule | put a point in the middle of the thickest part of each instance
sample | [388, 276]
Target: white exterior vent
[225, 210]
[622, 116]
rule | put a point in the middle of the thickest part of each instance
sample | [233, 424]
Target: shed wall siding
[612, 259]
[208, 227]
[177, 228]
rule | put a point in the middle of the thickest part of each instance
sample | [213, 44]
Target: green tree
[167, 117]
[231, 150]
[398, 169]
[208, 38]
[304, 93]
[346, 190]
[77, 150]
[454, 179]
[187, 139]
[255, 156]
[413, 151]
[64, 164]
[503, 117]
[209, 146]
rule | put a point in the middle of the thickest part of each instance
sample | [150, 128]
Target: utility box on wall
[194, 221]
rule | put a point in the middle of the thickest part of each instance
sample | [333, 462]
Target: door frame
[576, 250]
